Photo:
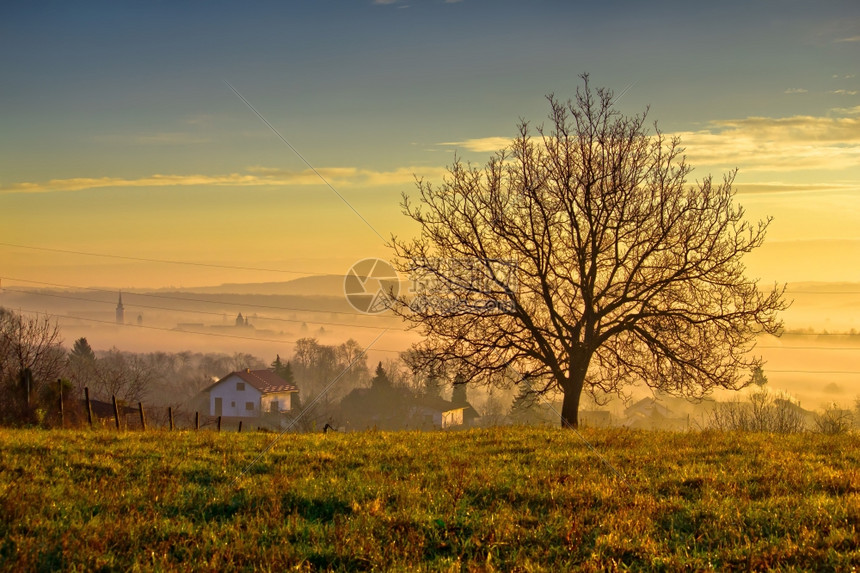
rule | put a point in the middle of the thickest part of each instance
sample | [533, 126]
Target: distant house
[805, 418]
[436, 412]
[595, 418]
[650, 414]
[250, 394]
[103, 412]
[398, 408]
[383, 408]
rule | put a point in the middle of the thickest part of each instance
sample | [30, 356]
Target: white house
[433, 411]
[250, 394]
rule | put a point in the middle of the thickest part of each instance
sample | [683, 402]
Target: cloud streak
[254, 177]
[756, 143]
[776, 144]
[481, 144]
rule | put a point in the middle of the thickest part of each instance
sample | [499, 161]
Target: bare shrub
[764, 411]
[834, 420]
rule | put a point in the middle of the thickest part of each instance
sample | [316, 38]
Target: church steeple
[120, 311]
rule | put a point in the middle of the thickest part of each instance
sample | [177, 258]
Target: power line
[789, 291]
[768, 371]
[190, 299]
[810, 347]
[152, 260]
[818, 334]
[206, 312]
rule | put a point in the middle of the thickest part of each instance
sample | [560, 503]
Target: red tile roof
[265, 381]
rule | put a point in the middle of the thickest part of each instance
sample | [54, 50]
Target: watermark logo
[371, 285]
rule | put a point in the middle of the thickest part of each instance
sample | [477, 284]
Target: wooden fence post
[142, 417]
[115, 412]
[62, 414]
[170, 416]
[219, 423]
[240, 426]
[89, 406]
[196, 420]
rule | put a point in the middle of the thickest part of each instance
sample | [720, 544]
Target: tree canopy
[582, 258]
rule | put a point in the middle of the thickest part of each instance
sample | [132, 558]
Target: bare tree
[764, 411]
[834, 420]
[31, 357]
[125, 375]
[582, 257]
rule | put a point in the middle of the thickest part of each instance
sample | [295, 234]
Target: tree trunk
[570, 408]
[572, 388]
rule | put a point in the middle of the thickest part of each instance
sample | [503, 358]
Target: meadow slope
[507, 499]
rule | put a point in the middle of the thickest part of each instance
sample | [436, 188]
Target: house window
[233, 404]
[273, 406]
[240, 386]
[249, 405]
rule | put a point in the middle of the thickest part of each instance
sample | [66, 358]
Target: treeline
[37, 372]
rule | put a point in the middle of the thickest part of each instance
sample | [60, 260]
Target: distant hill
[318, 285]
[315, 286]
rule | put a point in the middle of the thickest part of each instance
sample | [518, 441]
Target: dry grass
[499, 499]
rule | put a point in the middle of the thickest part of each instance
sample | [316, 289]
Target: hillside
[496, 499]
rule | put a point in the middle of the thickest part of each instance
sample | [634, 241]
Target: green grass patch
[504, 499]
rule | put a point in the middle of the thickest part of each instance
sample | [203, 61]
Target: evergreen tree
[82, 351]
[287, 374]
[458, 391]
[380, 379]
[758, 377]
[524, 406]
[284, 370]
[432, 385]
[277, 366]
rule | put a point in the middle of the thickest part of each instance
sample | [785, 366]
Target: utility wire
[151, 260]
[206, 312]
[190, 299]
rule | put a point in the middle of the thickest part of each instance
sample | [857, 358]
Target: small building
[651, 414]
[595, 418]
[436, 412]
[250, 394]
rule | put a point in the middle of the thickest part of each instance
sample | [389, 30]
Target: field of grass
[498, 499]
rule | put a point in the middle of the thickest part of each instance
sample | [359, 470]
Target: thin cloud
[795, 91]
[481, 144]
[847, 110]
[255, 177]
[843, 92]
[849, 39]
[776, 144]
[768, 188]
[755, 143]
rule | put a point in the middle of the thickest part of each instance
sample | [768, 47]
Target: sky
[151, 144]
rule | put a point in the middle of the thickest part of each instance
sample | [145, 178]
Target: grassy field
[498, 499]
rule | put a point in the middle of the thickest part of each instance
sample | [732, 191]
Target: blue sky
[119, 135]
